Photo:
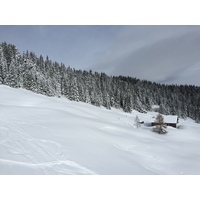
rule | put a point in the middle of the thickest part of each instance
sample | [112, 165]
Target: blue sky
[165, 54]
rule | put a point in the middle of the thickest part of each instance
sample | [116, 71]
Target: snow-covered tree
[87, 96]
[74, 95]
[128, 103]
[137, 122]
[12, 78]
[3, 67]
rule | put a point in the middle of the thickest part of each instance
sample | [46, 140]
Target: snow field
[49, 135]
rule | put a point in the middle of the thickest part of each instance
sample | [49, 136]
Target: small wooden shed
[169, 120]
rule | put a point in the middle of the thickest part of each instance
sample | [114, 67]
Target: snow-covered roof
[168, 118]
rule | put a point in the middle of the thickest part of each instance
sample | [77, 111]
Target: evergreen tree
[106, 100]
[73, 90]
[127, 104]
[87, 96]
[3, 67]
[12, 78]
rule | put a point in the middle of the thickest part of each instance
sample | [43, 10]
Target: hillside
[43, 76]
[50, 135]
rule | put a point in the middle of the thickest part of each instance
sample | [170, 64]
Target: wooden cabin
[169, 120]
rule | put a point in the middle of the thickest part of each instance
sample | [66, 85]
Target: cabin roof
[168, 119]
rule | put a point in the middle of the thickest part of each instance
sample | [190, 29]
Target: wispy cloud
[155, 53]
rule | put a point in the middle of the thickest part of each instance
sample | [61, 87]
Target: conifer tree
[3, 67]
[73, 95]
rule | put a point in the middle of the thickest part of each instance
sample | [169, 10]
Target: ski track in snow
[15, 134]
[41, 149]
[58, 167]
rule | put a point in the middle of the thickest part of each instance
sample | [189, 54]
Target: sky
[161, 53]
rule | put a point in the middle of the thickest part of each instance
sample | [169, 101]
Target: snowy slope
[47, 135]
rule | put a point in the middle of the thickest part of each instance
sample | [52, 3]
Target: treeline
[50, 78]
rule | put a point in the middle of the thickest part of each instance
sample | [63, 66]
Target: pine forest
[44, 76]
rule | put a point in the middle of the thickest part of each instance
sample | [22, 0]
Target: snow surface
[167, 119]
[170, 119]
[47, 135]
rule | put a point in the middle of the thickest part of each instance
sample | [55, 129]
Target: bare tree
[160, 126]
